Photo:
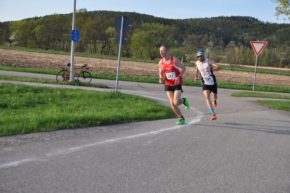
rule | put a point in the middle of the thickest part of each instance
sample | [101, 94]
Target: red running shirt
[171, 71]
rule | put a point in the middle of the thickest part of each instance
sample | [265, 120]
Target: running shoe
[213, 117]
[180, 121]
[186, 103]
[215, 103]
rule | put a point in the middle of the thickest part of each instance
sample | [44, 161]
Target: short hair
[162, 45]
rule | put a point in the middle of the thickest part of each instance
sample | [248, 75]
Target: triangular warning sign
[258, 46]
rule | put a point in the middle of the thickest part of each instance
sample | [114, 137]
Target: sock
[182, 117]
[212, 111]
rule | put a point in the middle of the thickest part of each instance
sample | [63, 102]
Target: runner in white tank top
[205, 68]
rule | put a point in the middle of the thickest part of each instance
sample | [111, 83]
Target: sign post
[119, 56]
[123, 25]
[258, 47]
[73, 33]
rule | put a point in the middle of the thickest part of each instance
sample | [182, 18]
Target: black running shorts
[173, 88]
[211, 88]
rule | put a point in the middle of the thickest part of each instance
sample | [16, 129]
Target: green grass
[150, 79]
[27, 79]
[50, 81]
[277, 105]
[27, 109]
[261, 95]
[31, 70]
[259, 70]
[241, 86]
[273, 104]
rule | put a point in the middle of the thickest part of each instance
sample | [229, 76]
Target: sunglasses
[199, 56]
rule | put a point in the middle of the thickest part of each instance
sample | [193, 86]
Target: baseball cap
[200, 53]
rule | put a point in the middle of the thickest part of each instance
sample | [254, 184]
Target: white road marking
[115, 140]
[17, 163]
[66, 151]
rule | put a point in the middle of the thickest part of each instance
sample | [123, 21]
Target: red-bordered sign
[258, 46]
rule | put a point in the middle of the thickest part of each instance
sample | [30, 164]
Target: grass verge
[260, 95]
[50, 81]
[241, 68]
[277, 105]
[150, 79]
[27, 109]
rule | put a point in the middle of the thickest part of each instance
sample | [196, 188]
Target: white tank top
[206, 72]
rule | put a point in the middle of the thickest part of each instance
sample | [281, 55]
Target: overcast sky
[264, 10]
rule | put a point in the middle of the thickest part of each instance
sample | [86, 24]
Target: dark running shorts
[173, 88]
[211, 88]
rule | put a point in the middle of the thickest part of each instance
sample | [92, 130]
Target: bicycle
[82, 76]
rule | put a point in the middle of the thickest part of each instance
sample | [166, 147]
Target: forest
[225, 39]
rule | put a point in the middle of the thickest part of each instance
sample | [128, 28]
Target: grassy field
[226, 85]
[27, 109]
[50, 81]
[261, 95]
[259, 70]
[90, 55]
[277, 105]
[83, 54]
[282, 104]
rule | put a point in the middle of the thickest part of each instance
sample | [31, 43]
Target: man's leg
[206, 94]
[214, 91]
[173, 103]
[178, 100]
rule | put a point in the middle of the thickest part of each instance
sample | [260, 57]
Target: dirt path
[52, 61]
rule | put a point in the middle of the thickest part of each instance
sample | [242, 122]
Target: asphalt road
[247, 150]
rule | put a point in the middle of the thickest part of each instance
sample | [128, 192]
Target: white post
[71, 77]
[119, 55]
[254, 82]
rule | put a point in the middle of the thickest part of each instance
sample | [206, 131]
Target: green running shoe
[180, 121]
[186, 103]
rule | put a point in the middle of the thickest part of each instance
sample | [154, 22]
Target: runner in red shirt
[171, 70]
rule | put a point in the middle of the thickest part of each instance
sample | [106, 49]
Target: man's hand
[177, 80]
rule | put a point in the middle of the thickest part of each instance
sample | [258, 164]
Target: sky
[263, 10]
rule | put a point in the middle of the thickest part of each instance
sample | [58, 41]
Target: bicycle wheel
[62, 75]
[85, 77]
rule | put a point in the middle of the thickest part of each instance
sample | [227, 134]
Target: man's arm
[180, 66]
[161, 77]
[215, 66]
[196, 76]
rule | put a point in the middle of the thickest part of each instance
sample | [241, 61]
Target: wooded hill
[226, 39]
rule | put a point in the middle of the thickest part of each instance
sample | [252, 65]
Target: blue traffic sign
[75, 35]
[126, 24]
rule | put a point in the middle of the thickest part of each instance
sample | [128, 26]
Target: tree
[283, 8]
[146, 40]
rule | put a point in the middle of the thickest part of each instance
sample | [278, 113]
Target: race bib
[208, 80]
[170, 75]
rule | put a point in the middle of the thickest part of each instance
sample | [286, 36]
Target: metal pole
[71, 77]
[119, 56]
[254, 82]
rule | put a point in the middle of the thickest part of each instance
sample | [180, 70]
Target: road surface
[247, 150]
